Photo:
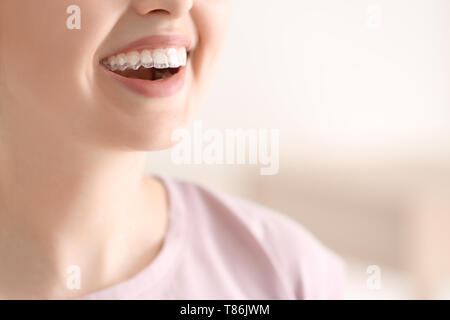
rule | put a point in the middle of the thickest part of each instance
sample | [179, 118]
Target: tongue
[159, 74]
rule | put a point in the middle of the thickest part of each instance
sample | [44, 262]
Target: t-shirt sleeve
[320, 273]
[312, 270]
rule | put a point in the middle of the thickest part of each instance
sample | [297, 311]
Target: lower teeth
[151, 74]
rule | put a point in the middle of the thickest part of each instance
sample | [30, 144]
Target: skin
[73, 145]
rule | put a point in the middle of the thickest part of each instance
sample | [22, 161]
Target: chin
[157, 136]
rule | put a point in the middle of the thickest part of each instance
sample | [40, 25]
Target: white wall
[344, 80]
[337, 73]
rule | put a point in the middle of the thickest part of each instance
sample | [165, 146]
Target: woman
[85, 92]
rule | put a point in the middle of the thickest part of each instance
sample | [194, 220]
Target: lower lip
[153, 89]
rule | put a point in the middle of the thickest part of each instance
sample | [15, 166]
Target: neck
[63, 204]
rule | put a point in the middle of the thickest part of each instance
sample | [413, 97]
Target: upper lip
[156, 42]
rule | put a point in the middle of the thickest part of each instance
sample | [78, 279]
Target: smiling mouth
[148, 64]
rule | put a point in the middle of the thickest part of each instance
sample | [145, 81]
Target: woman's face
[81, 83]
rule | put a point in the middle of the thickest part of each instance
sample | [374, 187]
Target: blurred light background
[360, 90]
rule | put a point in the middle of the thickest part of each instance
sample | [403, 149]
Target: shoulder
[304, 264]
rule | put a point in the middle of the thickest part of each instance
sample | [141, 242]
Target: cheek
[33, 46]
[40, 57]
[211, 19]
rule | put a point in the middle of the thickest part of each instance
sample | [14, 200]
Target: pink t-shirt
[223, 247]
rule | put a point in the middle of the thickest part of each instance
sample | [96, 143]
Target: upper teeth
[156, 58]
